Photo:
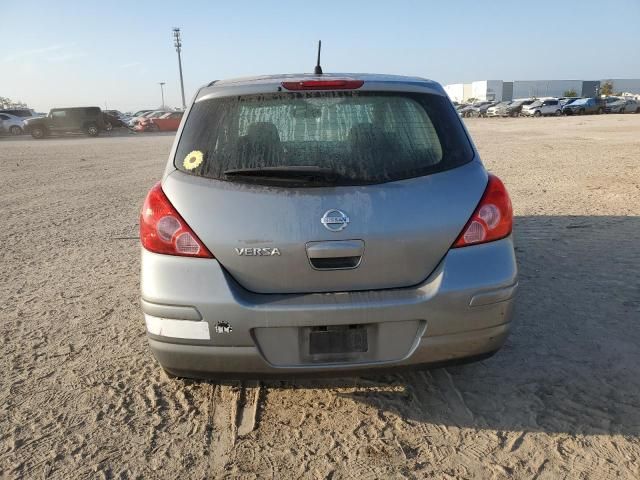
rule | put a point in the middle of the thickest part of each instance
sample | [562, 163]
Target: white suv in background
[543, 106]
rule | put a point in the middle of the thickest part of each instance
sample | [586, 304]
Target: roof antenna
[318, 69]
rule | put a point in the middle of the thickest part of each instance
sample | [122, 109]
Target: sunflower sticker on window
[193, 160]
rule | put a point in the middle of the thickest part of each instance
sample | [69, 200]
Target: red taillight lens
[492, 219]
[162, 229]
[323, 85]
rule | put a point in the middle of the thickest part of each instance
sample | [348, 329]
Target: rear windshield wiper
[308, 173]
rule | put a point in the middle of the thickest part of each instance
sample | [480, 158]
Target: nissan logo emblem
[334, 220]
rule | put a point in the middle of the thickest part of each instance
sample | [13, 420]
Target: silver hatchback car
[324, 223]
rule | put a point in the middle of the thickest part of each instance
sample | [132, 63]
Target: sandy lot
[81, 396]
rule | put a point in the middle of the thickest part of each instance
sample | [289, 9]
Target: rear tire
[600, 110]
[38, 133]
[558, 113]
[581, 111]
[154, 128]
[621, 110]
[92, 130]
[15, 130]
[537, 113]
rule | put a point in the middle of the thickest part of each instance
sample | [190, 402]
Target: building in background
[489, 90]
[456, 92]
[545, 88]
[466, 90]
[498, 90]
[626, 85]
[481, 90]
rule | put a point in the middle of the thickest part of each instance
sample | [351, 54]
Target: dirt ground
[81, 396]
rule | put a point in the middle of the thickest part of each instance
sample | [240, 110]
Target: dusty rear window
[364, 137]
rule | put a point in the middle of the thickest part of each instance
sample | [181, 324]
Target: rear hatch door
[273, 240]
[326, 191]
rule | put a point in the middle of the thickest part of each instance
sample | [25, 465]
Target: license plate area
[336, 342]
[291, 346]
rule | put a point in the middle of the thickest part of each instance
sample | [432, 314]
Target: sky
[113, 53]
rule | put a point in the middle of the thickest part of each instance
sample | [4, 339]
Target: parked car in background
[460, 107]
[515, 107]
[465, 111]
[567, 100]
[151, 114]
[498, 110]
[169, 122]
[137, 116]
[476, 109]
[139, 113]
[89, 120]
[583, 106]
[623, 105]
[610, 99]
[119, 115]
[11, 124]
[355, 284]
[19, 112]
[481, 109]
[542, 107]
[112, 120]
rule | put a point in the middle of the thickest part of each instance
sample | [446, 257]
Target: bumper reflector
[166, 327]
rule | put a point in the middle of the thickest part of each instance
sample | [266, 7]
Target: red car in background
[168, 122]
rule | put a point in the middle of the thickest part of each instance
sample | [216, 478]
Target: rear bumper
[201, 322]
[205, 361]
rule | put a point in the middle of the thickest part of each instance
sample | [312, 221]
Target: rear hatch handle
[335, 254]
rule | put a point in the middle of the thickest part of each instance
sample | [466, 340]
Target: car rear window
[364, 137]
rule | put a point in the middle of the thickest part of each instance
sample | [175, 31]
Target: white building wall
[460, 92]
[455, 92]
[487, 90]
[494, 89]
[479, 90]
[467, 92]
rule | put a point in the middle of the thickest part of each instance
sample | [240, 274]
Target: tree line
[6, 102]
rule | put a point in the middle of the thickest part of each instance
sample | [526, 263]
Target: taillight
[162, 229]
[323, 85]
[492, 219]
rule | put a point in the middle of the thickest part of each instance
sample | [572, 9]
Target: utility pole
[162, 93]
[177, 42]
